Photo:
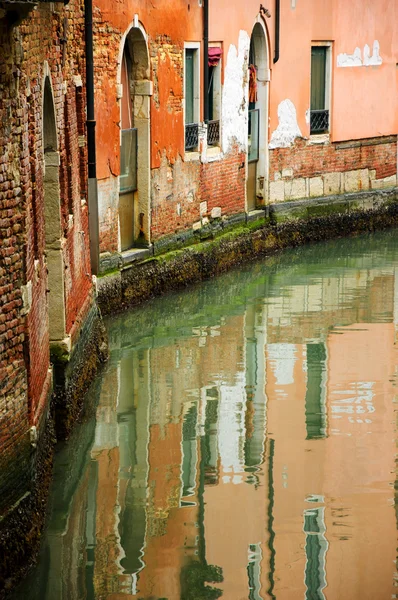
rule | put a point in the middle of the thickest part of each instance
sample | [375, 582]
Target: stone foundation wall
[276, 227]
[309, 170]
[47, 45]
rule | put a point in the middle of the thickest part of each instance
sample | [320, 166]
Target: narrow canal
[242, 441]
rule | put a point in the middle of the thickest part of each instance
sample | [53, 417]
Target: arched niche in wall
[259, 76]
[134, 190]
[52, 215]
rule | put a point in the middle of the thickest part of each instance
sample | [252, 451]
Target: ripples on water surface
[243, 441]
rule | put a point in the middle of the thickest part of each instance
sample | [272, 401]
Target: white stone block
[197, 225]
[352, 181]
[277, 191]
[316, 187]
[331, 184]
[384, 183]
[203, 208]
[295, 189]
[287, 172]
[364, 182]
[216, 212]
[26, 297]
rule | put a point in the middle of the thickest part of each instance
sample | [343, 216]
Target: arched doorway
[259, 74]
[52, 216]
[134, 193]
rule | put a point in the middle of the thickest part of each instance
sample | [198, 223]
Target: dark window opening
[191, 126]
[319, 117]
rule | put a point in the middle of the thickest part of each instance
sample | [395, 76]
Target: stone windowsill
[319, 138]
[213, 153]
[191, 156]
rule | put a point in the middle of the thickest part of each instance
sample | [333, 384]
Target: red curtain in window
[214, 56]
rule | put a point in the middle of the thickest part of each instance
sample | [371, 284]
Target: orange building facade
[292, 111]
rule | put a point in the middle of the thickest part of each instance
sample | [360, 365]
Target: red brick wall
[309, 160]
[24, 338]
[175, 197]
[222, 183]
[178, 190]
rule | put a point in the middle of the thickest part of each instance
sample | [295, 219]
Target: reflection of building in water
[256, 449]
[190, 422]
[330, 400]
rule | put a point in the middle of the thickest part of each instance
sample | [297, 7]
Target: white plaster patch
[356, 60]
[288, 129]
[375, 60]
[235, 94]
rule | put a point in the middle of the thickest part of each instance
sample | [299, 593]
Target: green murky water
[242, 443]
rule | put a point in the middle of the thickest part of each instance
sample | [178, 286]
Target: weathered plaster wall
[180, 187]
[358, 110]
[179, 183]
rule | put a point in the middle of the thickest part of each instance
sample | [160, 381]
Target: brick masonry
[48, 42]
[311, 170]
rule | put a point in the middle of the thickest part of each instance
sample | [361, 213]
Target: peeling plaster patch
[235, 94]
[350, 60]
[308, 116]
[293, 4]
[375, 60]
[355, 59]
[288, 129]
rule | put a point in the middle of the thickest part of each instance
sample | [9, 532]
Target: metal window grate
[213, 133]
[191, 136]
[319, 121]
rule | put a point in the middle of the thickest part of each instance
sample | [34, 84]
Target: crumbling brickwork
[309, 169]
[48, 45]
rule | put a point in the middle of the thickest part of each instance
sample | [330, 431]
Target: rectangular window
[189, 85]
[214, 95]
[128, 161]
[320, 89]
[191, 94]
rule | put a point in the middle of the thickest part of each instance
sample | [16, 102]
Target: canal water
[241, 441]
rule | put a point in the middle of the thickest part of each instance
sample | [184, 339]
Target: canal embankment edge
[73, 370]
[219, 246]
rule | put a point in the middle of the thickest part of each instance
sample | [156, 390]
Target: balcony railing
[191, 136]
[213, 133]
[319, 121]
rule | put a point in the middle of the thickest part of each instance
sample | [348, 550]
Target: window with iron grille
[319, 113]
[191, 98]
[214, 96]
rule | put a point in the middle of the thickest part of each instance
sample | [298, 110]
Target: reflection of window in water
[316, 547]
[315, 398]
[210, 438]
[254, 571]
[189, 452]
